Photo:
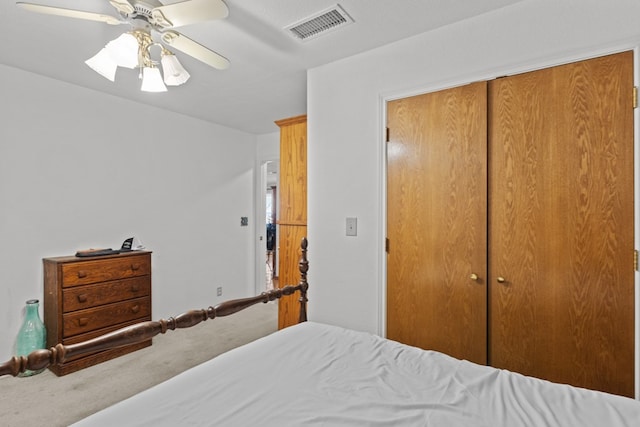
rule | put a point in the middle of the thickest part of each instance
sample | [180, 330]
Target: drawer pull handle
[135, 308]
[82, 298]
[82, 274]
[135, 267]
[135, 288]
[83, 321]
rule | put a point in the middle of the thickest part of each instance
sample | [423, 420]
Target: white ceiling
[267, 77]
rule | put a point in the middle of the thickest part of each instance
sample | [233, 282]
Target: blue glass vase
[32, 335]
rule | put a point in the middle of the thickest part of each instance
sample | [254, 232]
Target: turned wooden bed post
[40, 359]
[303, 266]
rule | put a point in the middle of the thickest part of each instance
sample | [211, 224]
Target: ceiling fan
[133, 48]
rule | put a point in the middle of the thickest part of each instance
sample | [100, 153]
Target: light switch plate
[352, 226]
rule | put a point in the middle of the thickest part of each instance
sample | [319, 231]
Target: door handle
[474, 277]
[500, 279]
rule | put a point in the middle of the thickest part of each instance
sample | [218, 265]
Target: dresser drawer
[82, 321]
[86, 272]
[87, 296]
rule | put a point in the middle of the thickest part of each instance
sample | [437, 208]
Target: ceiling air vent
[320, 23]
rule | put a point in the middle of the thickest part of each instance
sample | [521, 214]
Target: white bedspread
[318, 375]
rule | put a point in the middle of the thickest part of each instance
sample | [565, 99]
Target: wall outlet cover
[352, 226]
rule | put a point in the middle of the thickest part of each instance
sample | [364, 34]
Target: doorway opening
[271, 234]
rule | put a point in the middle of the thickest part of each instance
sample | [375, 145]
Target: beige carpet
[45, 399]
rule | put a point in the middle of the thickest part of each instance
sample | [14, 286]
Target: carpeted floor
[45, 399]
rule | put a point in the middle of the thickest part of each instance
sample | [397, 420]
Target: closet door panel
[561, 224]
[289, 246]
[292, 222]
[519, 227]
[293, 170]
[436, 225]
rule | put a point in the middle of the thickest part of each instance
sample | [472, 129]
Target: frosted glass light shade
[124, 50]
[103, 64]
[152, 80]
[174, 72]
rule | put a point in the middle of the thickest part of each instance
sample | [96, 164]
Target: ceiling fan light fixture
[174, 72]
[124, 50]
[152, 80]
[103, 64]
[133, 49]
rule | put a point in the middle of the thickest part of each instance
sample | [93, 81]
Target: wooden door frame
[538, 64]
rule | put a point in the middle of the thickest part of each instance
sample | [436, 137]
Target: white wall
[80, 169]
[346, 118]
[268, 146]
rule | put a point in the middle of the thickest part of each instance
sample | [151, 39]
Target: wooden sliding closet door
[436, 225]
[561, 271]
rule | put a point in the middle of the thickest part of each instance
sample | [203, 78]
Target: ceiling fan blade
[70, 13]
[123, 6]
[189, 12]
[201, 53]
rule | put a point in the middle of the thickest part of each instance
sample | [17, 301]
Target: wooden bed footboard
[40, 359]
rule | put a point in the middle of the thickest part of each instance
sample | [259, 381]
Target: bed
[319, 374]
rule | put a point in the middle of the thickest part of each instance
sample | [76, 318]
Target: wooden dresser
[88, 297]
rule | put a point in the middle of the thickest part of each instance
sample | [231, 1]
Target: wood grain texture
[102, 316]
[79, 297]
[292, 222]
[436, 221]
[561, 224]
[290, 250]
[100, 269]
[293, 171]
[88, 297]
